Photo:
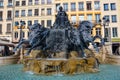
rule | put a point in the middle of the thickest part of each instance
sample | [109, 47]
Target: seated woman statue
[61, 19]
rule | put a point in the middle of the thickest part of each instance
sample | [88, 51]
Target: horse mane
[85, 25]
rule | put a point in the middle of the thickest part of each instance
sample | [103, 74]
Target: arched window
[16, 35]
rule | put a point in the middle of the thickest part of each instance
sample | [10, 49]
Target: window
[81, 17]
[42, 22]
[17, 3]
[98, 31]
[114, 18]
[106, 7]
[23, 34]
[49, 22]
[89, 17]
[8, 28]
[73, 6]
[0, 28]
[107, 17]
[89, 5]
[30, 2]
[9, 15]
[10, 3]
[35, 21]
[23, 3]
[42, 1]
[97, 18]
[114, 32]
[16, 35]
[57, 6]
[29, 23]
[17, 13]
[1, 15]
[36, 2]
[30, 12]
[81, 6]
[106, 32]
[65, 6]
[1, 3]
[23, 13]
[42, 12]
[28, 34]
[49, 1]
[97, 5]
[73, 19]
[48, 11]
[113, 6]
[36, 12]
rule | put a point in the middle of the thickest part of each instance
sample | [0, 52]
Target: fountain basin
[50, 66]
[9, 60]
[113, 59]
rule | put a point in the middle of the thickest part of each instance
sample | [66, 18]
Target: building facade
[32, 11]
[79, 10]
[6, 19]
[44, 11]
[111, 10]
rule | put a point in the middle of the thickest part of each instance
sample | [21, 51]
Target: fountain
[61, 49]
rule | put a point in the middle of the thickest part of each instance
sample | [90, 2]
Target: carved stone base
[60, 65]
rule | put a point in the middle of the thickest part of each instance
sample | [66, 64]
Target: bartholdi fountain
[61, 48]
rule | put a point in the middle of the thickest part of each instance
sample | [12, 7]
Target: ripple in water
[14, 72]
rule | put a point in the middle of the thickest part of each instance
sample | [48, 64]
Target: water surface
[14, 72]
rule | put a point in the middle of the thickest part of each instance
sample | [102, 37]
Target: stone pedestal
[61, 65]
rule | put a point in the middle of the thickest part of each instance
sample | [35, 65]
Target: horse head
[85, 25]
[85, 29]
[35, 26]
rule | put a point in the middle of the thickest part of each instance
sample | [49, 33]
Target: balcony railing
[81, 9]
[9, 18]
[1, 19]
[36, 14]
[9, 32]
[76, 23]
[22, 15]
[1, 32]
[29, 3]
[37, 2]
[1, 6]
[73, 9]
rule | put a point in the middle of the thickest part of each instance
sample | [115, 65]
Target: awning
[2, 43]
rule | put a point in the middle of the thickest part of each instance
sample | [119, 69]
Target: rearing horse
[85, 29]
[36, 38]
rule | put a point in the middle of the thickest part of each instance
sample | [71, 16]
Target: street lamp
[104, 22]
[22, 23]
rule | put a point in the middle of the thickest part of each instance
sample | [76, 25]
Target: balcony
[1, 6]
[81, 9]
[73, 9]
[1, 19]
[16, 15]
[29, 3]
[36, 14]
[37, 3]
[29, 14]
[22, 15]
[10, 5]
[8, 32]
[1, 33]
[49, 2]
[9, 18]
